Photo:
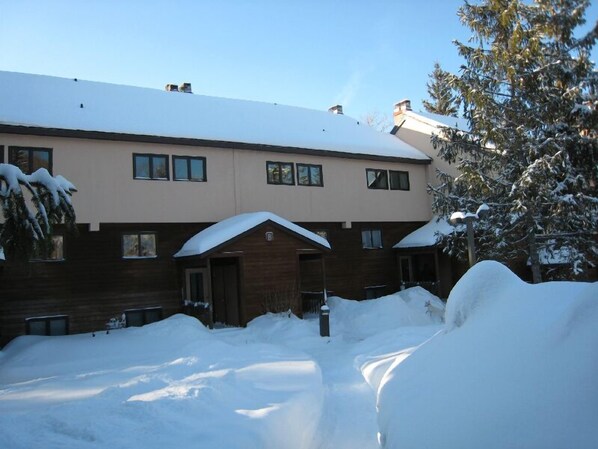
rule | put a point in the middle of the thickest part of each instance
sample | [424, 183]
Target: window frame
[138, 234]
[188, 159]
[309, 168]
[280, 164]
[151, 157]
[144, 311]
[38, 256]
[47, 320]
[13, 149]
[371, 238]
[399, 173]
[375, 291]
[376, 170]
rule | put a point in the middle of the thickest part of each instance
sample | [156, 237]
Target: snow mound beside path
[515, 367]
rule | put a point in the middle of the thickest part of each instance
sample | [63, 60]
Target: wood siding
[94, 282]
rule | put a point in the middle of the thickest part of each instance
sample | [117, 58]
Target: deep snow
[513, 366]
[274, 384]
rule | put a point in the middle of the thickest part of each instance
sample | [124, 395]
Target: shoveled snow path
[349, 416]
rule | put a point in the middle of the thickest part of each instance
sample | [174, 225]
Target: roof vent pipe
[336, 109]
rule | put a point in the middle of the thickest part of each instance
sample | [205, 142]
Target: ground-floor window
[48, 325]
[371, 238]
[375, 291]
[141, 317]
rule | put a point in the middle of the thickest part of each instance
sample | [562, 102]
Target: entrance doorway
[225, 290]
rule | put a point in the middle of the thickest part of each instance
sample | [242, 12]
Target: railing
[312, 301]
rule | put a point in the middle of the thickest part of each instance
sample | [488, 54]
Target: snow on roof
[439, 120]
[72, 104]
[230, 228]
[428, 235]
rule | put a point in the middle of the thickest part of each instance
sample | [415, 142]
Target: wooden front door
[225, 291]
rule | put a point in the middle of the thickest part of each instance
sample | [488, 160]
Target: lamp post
[468, 218]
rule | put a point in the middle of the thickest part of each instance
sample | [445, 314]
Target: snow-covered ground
[513, 366]
[275, 384]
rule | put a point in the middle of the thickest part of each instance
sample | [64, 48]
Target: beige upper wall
[236, 183]
[418, 134]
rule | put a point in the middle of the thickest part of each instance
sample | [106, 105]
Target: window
[377, 179]
[30, 159]
[141, 317]
[187, 168]
[139, 245]
[399, 180]
[1, 154]
[48, 325]
[371, 238]
[309, 175]
[150, 166]
[375, 291]
[280, 173]
[52, 252]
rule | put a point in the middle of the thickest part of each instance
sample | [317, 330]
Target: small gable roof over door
[226, 230]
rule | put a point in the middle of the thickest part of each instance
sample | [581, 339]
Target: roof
[51, 103]
[436, 120]
[232, 227]
[428, 235]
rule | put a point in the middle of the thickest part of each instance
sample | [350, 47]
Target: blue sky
[365, 55]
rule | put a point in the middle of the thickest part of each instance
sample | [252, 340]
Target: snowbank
[168, 384]
[515, 367]
[361, 319]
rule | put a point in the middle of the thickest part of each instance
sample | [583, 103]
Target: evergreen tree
[30, 207]
[529, 92]
[442, 95]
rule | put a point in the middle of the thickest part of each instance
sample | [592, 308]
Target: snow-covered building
[153, 168]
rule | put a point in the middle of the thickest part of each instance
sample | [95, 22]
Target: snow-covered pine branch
[30, 207]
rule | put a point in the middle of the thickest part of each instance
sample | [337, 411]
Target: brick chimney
[171, 88]
[336, 109]
[402, 106]
[185, 87]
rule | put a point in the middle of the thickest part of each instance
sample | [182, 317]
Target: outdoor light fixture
[468, 218]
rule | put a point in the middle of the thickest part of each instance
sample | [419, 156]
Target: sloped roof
[428, 235]
[69, 104]
[437, 120]
[232, 227]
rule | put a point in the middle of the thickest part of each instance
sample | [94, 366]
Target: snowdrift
[515, 367]
[167, 384]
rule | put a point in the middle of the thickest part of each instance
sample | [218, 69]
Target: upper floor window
[139, 245]
[399, 180]
[309, 175]
[280, 173]
[371, 238]
[54, 252]
[188, 168]
[377, 179]
[29, 159]
[150, 166]
[1, 154]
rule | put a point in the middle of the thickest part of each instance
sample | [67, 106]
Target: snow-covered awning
[232, 227]
[428, 235]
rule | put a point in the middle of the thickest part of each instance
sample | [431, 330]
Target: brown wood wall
[94, 283]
